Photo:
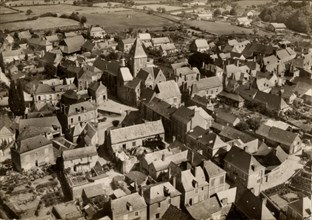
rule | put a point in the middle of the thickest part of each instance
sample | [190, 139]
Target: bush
[242, 126]
[48, 14]
[28, 12]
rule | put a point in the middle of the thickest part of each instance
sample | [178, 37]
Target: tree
[83, 20]
[216, 13]
[16, 101]
[242, 126]
[109, 4]
[233, 11]
[253, 123]
[28, 12]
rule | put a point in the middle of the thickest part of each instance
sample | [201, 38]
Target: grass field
[222, 28]
[119, 21]
[155, 6]
[247, 3]
[4, 10]
[40, 23]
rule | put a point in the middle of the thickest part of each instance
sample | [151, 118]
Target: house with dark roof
[98, 92]
[185, 119]
[79, 159]
[130, 206]
[87, 46]
[303, 89]
[125, 44]
[157, 109]
[65, 211]
[300, 209]
[209, 87]
[289, 141]
[232, 99]
[186, 77]
[78, 113]
[243, 167]
[175, 213]
[253, 207]
[226, 118]
[159, 197]
[205, 142]
[150, 76]
[271, 102]
[32, 152]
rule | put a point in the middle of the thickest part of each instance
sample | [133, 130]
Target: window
[79, 118]
[222, 180]
[39, 97]
[159, 204]
[157, 215]
[71, 120]
[136, 213]
[212, 182]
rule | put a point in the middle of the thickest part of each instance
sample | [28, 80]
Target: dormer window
[129, 207]
[252, 167]
[195, 183]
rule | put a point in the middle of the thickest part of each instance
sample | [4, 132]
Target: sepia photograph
[155, 109]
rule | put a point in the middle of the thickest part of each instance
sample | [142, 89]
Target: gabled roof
[159, 192]
[175, 213]
[167, 89]
[272, 101]
[149, 71]
[205, 209]
[32, 143]
[278, 25]
[168, 46]
[160, 40]
[282, 54]
[212, 169]
[6, 122]
[242, 160]
[161, 107]
[253, 207]
[201, 43]
[73, 43]
[96, 29]
[145, 36]
[42, 122]
[93, 191]
[303, 207]
[136, 131]
[125, 74]
[135, 83]
[88, 45]
[79, 108]
[232, 133]
[137, 50]
[183, 114]
[207, 83]
[188, 178]
[79, 153]
[119, 206]
[43, 89]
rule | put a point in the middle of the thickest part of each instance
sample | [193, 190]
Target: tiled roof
[32, 143]
[212, 169]
[119, 206]
[161, 107]
[79, 108]
[39, 122]
[79, 153]
[167, 89]
[136, 131]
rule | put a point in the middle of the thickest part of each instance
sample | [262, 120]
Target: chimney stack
[163, 157]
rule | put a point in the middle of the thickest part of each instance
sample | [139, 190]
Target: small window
[136, 213]
[71, 120]
[157, 215]
[79, 118]
[159, 204]
[133, 143]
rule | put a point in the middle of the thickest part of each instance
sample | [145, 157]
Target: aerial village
[149, 126]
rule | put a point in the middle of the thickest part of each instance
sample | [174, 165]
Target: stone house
[243, 167]
[129, 207]
[98, 92]
[44, 93]
[215, 176]
[79, 113]
[97, 32]
[85, 79]
[32, 152]
[80, 159]
[72, 44]
[186, 77]
[150, 76]
[137, 57]
[199, 45]
[125, 45]
[131, 137]
[209, 87]
[169, 92]
[158, 198]
[185, 119]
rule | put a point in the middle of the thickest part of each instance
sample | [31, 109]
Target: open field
[155, 6]
[247, 3]
[119, 21]
[32, 2]
[105, 4]
[221, 27]
[137, 2]
[40, 23]
[4, 10]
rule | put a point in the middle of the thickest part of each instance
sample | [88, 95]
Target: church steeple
[138, 57]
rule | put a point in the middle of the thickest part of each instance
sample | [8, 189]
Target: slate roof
[43, 89]
[134, 132]
[41, 122]
[5, 121]
[134, 83]
[175, 213]
[204, 209]
[93, 191]
[149, 71]
[241, 159]
[252, 206]
[79, 153]
[232, 133]
[77, 108]
[183, 114]
[32, 143]
[207, 83]
[73, 43]
[88, 45]
[161, 107]
[119, 206]
[160, 40]
[272, 101]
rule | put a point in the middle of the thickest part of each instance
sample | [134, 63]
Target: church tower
[138, 57]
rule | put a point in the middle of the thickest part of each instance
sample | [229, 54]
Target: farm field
[221, 28]
[137, 2]
[155, 6]
[4, 10]
[40, 23]
[35, 2]
[119, 21]
[248, 3]
[105, 4]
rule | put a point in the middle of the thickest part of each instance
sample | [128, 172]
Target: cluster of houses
[178, 153]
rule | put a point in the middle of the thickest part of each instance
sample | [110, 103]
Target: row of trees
[296, 16]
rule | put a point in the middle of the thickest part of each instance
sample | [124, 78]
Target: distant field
[119, 21]
[218, 27]
[40, 23]
[146, 1]
[155, 6]
[105, 4]
[12, 17]
[246, 3]
[4, 10]
[32, 2]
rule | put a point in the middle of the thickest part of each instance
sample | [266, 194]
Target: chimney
[129, 207]
[174, 181]
[140, 190]
[166, 191]
[136, 187]
[123, 62]
[163, 157]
